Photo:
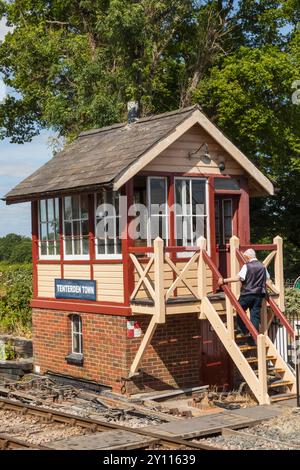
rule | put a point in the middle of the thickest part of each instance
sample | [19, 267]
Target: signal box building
[144, 313]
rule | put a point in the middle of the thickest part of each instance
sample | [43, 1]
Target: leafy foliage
[15, 295]
[74, 65]
[15, 249]
[292, 303]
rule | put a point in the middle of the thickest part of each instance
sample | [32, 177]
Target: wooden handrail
[141, 249]
[278, 313]
[231, 297]
[259, 247]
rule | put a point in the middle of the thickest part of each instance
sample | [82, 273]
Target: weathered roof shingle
[97, 157]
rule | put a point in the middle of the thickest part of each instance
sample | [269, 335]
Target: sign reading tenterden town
[75, 289]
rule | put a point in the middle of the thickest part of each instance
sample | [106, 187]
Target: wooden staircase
[260, 364]
[267, 374]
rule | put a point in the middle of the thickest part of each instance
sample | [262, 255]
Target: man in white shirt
[254, 278]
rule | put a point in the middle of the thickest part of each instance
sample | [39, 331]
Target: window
[107, 232]
[158, 209]
[227, 184]
[190, 210]
[76, 334]
[49, 242]
[76, 226]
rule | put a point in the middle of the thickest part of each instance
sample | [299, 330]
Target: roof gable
[196, 117]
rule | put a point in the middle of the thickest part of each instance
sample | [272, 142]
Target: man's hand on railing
[222, 281]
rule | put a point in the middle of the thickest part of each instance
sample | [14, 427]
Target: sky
[16, 163]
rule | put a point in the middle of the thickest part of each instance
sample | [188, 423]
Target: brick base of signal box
[172, 360]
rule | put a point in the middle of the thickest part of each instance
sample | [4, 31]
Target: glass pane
[101, 247]
[227, 183]
[51, 232]
[57, 250]
[108, 196]
[119, 246]
[110, 246]
[75, 207]
[85, 227]
[43, 232]
[76, 344]
[227, 228]
[198, 197]
[77, 246]
[178, 191]
[76, 229]
[158, 196]
[50, 205]
[227, 208]
[68, 208]
[84, 206]
[43, 248]
[182, 195]
[76, 323]
[56, 203]
[199, 228]
[217, 221]
[100, 199]
[85, 243]
[117, 203]
[68, 229]
[43, 213]
[51, 248]
[68, 246]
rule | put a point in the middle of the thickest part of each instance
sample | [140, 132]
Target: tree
[74, 65]
[15, 249]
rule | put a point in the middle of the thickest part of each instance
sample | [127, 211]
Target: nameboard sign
[75, 289]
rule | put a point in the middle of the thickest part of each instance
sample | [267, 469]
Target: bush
[15, 296]
[292, 303]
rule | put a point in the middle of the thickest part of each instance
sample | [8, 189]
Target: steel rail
[53, 416]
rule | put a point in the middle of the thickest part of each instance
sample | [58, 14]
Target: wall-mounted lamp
[221, 166]
[206, 155]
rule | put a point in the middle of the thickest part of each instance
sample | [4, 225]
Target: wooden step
[254, 359]
[282, 396]
[280, 383]
[247, 347]
[277, 370]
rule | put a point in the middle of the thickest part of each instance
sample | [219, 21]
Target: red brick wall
[104, 345]
[173, 359]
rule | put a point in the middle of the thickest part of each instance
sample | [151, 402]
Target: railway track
[91, 426]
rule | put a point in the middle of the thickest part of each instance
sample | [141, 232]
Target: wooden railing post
[159, 302]
[262, 370]
[202, 281]
[234, 264]
[278, 268]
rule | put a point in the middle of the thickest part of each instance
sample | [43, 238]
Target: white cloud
[8, 169]
[3, 29]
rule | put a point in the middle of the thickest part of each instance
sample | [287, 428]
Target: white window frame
[107, 256]
[207, 215]
[42, 256]
[79, 333]
[73, 256]
[166, 215]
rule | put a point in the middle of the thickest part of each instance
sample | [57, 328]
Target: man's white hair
[250, 253]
